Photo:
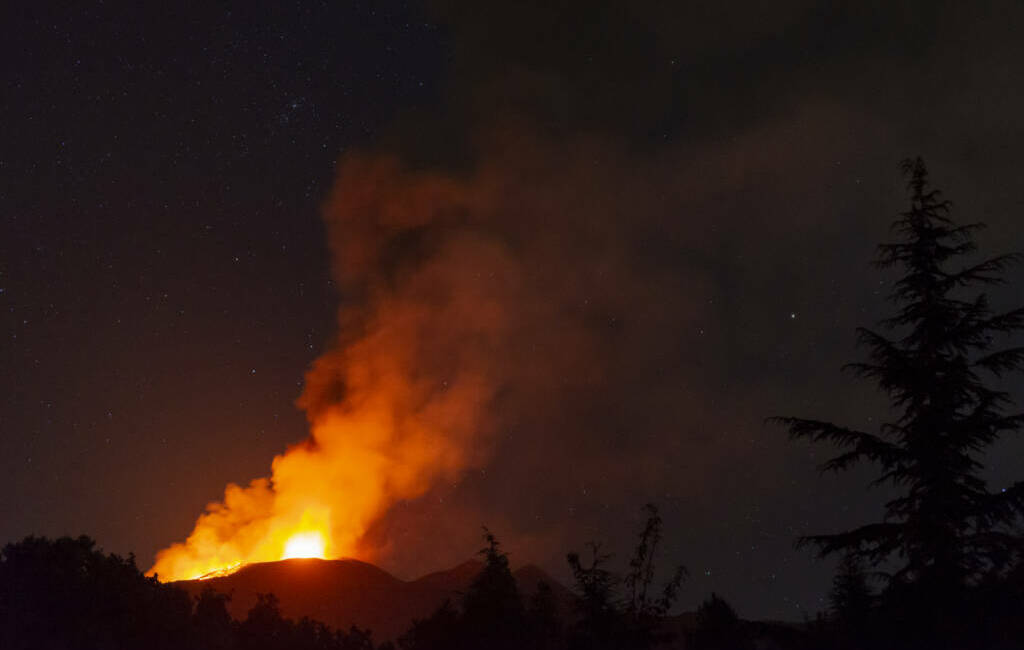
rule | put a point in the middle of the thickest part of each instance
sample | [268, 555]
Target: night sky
[682, 204]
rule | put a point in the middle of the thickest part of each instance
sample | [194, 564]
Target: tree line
[68, 594]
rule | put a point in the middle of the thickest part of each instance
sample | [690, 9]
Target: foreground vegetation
[66, 593]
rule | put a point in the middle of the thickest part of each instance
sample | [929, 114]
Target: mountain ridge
[346, 592]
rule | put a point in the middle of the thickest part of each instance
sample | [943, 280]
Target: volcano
[346, 592]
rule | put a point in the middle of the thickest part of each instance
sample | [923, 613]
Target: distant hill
[342, 593]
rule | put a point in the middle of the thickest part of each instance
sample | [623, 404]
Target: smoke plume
[550, 302]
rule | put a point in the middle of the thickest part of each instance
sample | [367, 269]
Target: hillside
[342, 593]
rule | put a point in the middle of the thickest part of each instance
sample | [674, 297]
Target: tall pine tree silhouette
[945, 529]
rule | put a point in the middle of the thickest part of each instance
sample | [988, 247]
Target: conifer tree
[935, 360]
[492, 609]
[599, 624]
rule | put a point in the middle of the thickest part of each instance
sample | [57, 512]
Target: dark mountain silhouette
[342, 593]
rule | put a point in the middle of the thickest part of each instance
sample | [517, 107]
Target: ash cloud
[687, 200]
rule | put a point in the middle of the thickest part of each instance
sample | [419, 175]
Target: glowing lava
[309, 544]
[304, 536]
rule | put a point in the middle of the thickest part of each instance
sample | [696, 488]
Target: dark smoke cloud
[670, 214]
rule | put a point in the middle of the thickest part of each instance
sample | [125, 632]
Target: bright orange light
[309, 544]
[307, 533]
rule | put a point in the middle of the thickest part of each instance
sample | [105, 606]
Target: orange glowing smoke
[399, 403]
